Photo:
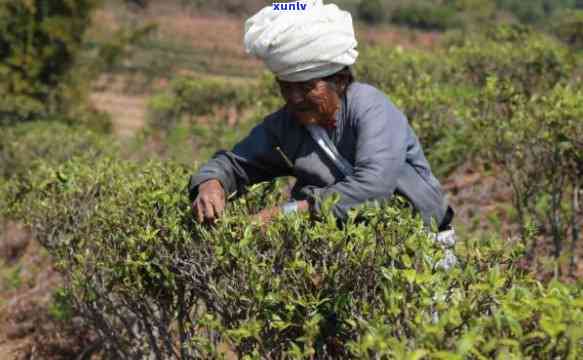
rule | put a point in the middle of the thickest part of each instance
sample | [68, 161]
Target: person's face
[311, 102]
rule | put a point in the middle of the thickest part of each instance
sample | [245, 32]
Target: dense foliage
[538, 141]
[154, 284]
[569, 28]
[208, 114]
[39, 43]
[452, 102]
[371, 11]
[426, 16]
[535, 66]
[24, 147]
[537, 10]
[417, 82]
[443, 15]
[507, 95]
[189, 97]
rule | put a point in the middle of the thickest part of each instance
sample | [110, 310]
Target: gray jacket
[371, 133]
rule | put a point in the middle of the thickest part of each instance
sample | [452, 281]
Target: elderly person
[334, 135]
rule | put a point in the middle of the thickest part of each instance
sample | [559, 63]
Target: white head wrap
[299, 45]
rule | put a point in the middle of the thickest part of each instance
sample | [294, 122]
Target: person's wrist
[294, 206]
[212, 185]
[211, 182]
[289, 208]
[303, 205]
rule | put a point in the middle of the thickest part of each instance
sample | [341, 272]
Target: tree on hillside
[371, 11]
[39, 43]
[139, 4]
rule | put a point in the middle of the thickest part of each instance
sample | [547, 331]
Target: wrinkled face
[311, 102]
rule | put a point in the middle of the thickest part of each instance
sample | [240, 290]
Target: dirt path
[9, 350]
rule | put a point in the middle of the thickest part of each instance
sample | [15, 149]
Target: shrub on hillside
[39, 43]
[230, 110]
[569, 28]
[388, 68]
[232, 7]
[266, 96]
[438, 114]
[521, 117]
[154, 284]
[475, 12]
[537, 140]
[535, 11]
[419, 83]
[426, 16]
[188, 97]
[532, 61]
[23, 147]
[371, 11]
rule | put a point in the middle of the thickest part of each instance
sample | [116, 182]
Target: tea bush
[24, 147]
[438, 113]
[421, 85]
[387, 68]
[371, 11]
[535, 10]
[232, 7]
[426, 16]
[189, 97]
[537, 140]
[532, 61]
[176, 115]
[39, 43]
[569, 28]
[154, 284]
[476, 13]
[527, 121]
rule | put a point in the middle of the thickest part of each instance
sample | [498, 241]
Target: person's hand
[265, 216]
[210, 202]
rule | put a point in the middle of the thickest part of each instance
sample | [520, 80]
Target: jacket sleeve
[381, 132]
[251, 161]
